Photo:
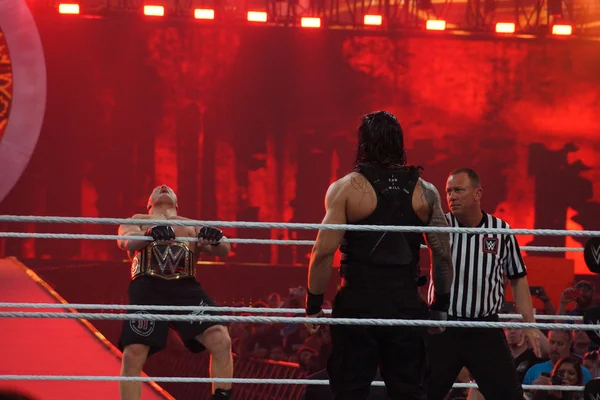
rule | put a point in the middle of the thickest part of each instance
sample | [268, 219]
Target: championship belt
[164, 260]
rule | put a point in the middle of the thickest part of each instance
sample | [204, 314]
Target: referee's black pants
[398, 351]
[483, 351]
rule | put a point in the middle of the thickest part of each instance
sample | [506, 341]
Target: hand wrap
[212, 234]
[314, 303]
[161, 232]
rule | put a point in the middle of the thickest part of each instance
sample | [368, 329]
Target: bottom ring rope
[237, 380]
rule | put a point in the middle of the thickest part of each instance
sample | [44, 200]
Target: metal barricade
[183, 363]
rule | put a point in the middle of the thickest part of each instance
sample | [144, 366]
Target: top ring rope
[83, 236]
[293, 225]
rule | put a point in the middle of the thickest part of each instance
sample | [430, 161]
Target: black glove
[441, 302]
[438, 309]
[210, 233]
[161, 232]
[436, 315]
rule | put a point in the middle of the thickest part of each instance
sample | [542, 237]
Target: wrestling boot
[221, 394]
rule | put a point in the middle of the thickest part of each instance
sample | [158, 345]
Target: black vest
[393, 253]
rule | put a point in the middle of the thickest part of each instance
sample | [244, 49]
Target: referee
[477, 294]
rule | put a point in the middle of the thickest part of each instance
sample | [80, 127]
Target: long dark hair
[576, 365]
[380, 140]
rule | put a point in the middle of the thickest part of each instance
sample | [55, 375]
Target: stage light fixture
[204, 13]
[154, 11]
[435, 25]
[373, 20]
[65, 8]
[562, 30]
[310, 22]
[257, 16]
[505, 27]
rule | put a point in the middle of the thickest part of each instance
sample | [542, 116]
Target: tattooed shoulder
[432, 196]
[359, 183]
[430, 193]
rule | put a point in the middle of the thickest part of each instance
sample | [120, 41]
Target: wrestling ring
[10, 310]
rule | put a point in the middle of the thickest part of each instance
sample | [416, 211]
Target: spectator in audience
[567, 371]
[540, 293]
[295, 298]
[260, 341]
[259, 304]
[239, 333]
[560, 347]
[307, 359]
[522, 354]
[325, 349]
[583, 296]
[581, 343]
[274, 300]
[295, 340]
[294, 334]
[280, 342]
[590, 361]
[277, 354]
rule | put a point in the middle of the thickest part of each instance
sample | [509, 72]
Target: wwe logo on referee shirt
[168, 258]
[490, 245]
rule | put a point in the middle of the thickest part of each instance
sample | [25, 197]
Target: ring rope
[35, 235]
[237, 380]
[258, 310]
[293, 225]
[317, 321]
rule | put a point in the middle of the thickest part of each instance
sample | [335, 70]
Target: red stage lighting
[203, 13]
[309, 22]
[154, 11]
[257, 16]
[435, 25]
[562, 30]
[68, 8]
[373, 20]
[505, 27]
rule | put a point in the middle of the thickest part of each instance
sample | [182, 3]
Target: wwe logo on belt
[168, 258]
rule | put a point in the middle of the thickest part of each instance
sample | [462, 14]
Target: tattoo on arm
[360, 187]
[439, 242]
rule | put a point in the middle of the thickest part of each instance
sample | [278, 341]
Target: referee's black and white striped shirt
[480, 262]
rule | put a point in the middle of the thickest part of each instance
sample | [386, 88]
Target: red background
[252, 124]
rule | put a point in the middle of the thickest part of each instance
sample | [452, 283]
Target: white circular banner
[28, 100]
